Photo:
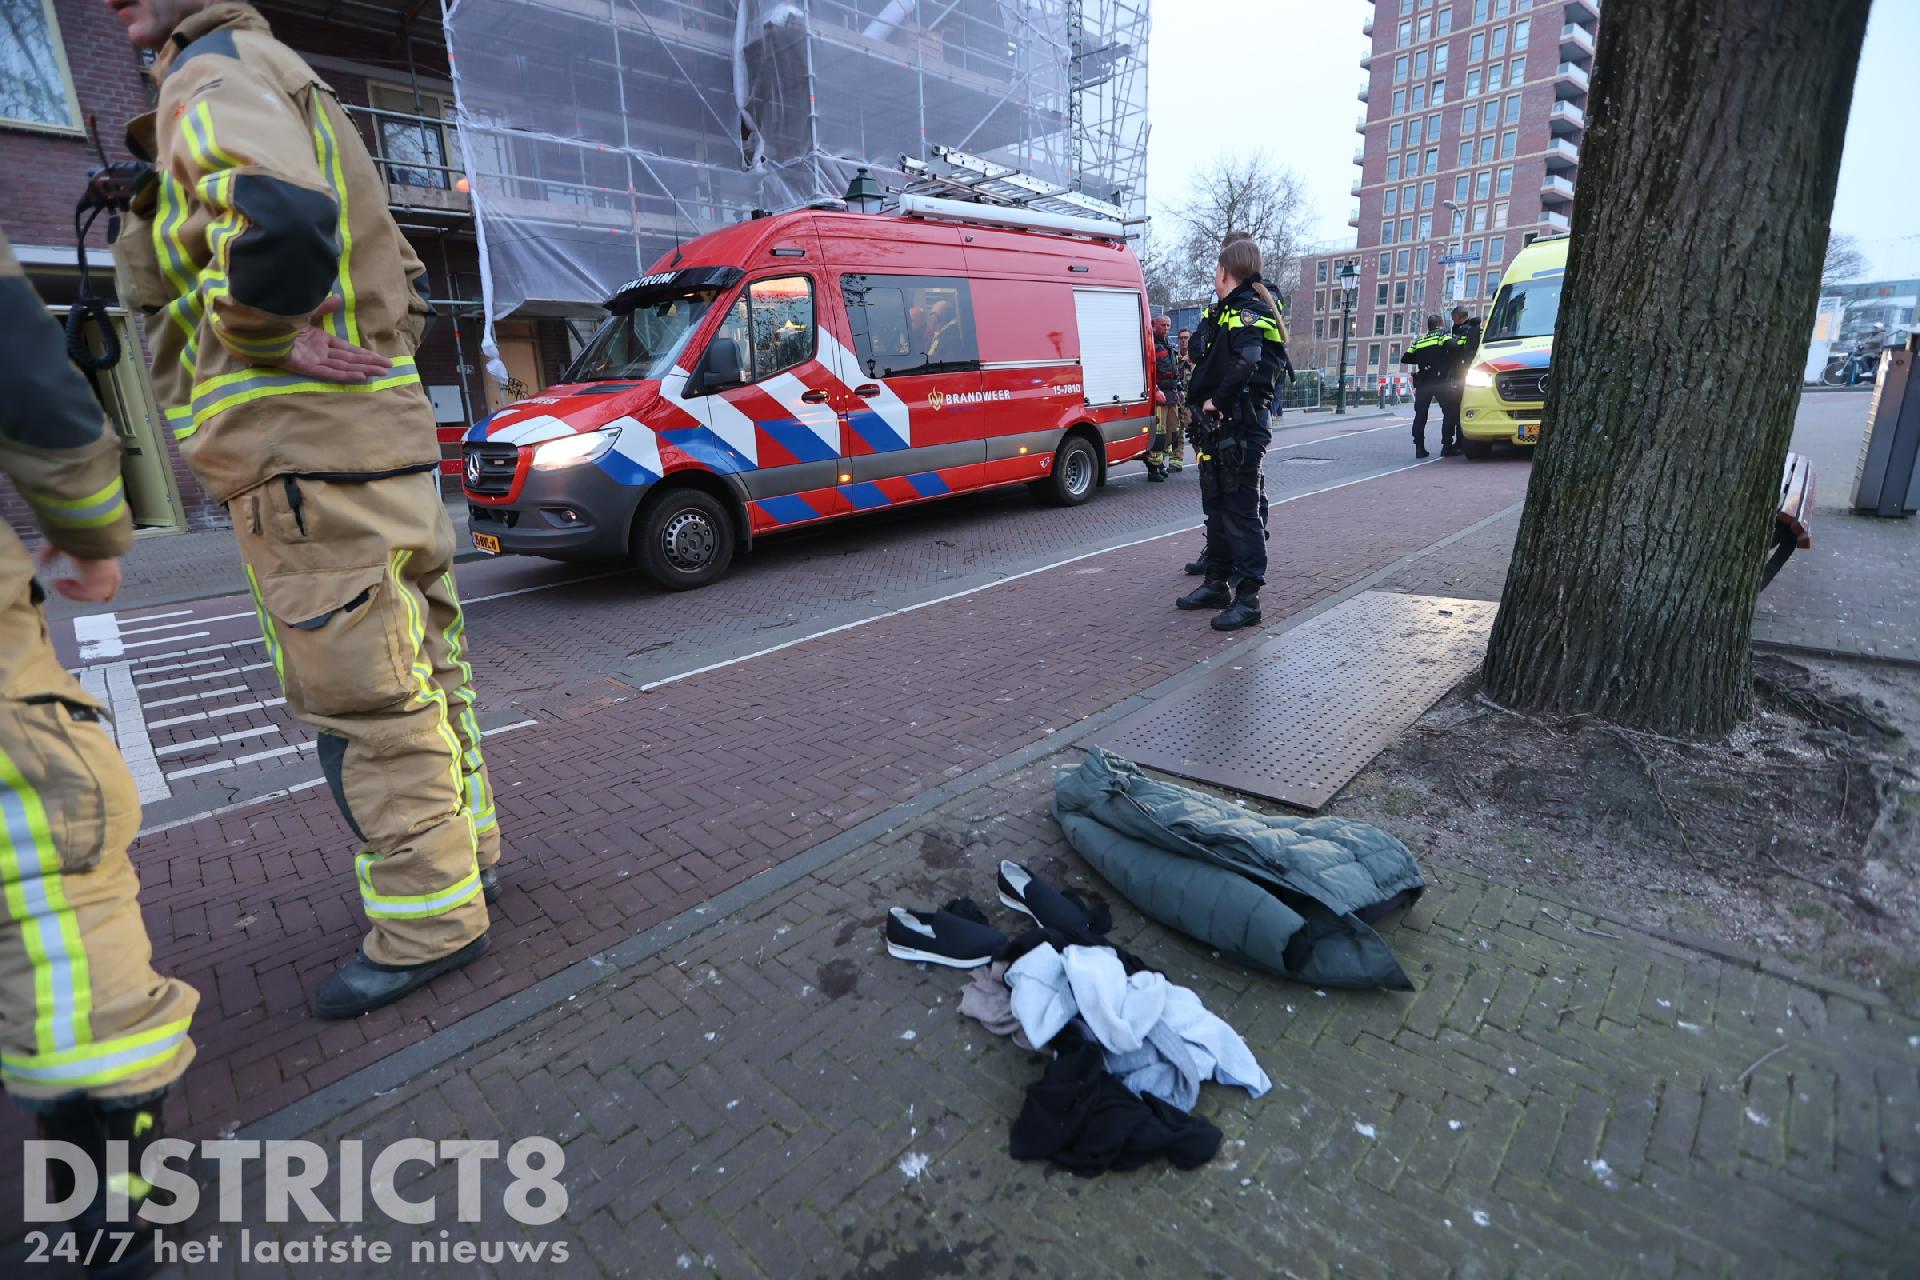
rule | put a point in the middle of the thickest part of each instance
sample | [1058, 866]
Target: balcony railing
[1360, 125]
[1566, 117]
[1575, 41]
[1582, 10]
[1555, 187]
[1555, 221]
[1353, 218]
[1363, 93]
[1354, 190]
[1366, 60]
[411, 153]
[1570, 81]
[1562, 151]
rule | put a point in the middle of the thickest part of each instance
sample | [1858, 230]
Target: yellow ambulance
[1506, 380]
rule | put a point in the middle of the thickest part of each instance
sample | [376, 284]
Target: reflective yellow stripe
[97, 509]
[344, 323]
[100, 1063]
[37, 903]
[266, 629]
[479, 797]
[392, 905]
[197, 129]
[217, 395]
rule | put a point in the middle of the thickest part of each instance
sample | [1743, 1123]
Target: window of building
[1466, 153]
[1373, 348]
[1413, 132]
[1493, 283]
[1393, 168]
[1420, 287]
[36, 88]
[1400, 293]
[1496, 79]
[1395, 133]
[1433, 127]
[1509, 142]
[1486, 149]
[1483, 184]
[1426, 195]
[1433, 160]
[1426, 230]
[1460, 188]
[406, 136]
[771, 325]
[1500, 214]
[1459, 221]
[1420, 259]
[1319, 330]
[1446, 20]
[1497, 45]
[1386, 231]
[1516, 71]
[1440, 57]
[1473, 283]
[1479, 10]
[1505, 184]
[1473, 84]
[1476, 46]
[1423, 28]
[1405, 36]
[1513, 108]
[1439, 97]
[1399, 326]
[1496, 248]
[1406, 228]
[1399, 101]
[1390, 201]
[1393, 352]
[1479, 217]
[1501, 8]
[1320, 272]
[1470, 117]
[1404, 260]
[1521, 30]
[1400, 69]
[1419, 99]
[1379, 331]
[1406, 196]
[1380, 294]
[1420, 64]
[909, 324]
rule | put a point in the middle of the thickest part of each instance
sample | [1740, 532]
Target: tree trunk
[1707, 178]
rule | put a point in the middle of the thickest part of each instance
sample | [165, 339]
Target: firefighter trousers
[1169, 437]
[353, 582]
[81, 1009]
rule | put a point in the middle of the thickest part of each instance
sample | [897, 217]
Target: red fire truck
[820, 363]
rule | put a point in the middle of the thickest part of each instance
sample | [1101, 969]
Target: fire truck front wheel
[684, 538]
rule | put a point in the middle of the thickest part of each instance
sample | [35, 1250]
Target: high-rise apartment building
[1475, 115]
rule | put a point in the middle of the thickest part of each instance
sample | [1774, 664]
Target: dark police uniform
[1466, 339]
[1435, 360]
[1237, 368]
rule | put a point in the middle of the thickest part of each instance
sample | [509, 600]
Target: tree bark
[1707, 178]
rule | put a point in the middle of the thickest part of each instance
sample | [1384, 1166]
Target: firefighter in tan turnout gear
[285, 308]
[90, 1036]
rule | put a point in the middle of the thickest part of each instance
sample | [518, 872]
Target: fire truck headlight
[571, 451]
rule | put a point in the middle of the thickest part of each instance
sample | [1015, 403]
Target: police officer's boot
[1243, 612]
[1211, 594]
[1196, 567]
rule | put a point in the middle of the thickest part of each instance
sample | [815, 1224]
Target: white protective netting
[596, 134]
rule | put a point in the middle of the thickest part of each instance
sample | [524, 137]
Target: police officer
[286, 309]
[91, 1037]
[1167, 402]
[1466, 342]
[1434, 357]
[1232, 387]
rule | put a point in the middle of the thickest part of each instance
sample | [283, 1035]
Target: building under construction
[537, 153]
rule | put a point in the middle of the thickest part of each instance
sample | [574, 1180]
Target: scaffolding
[599, 134]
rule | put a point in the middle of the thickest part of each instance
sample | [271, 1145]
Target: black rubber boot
[74, 1121]
[1243, 612]
[125, 1241]
[1196, 567]
[490, 884]
[1156, 473]
[1211, 594]
[361, 986]
[1419, 449]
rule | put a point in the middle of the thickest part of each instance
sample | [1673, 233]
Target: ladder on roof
[954, 174]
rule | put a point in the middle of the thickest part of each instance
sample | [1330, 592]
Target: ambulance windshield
[642, 342]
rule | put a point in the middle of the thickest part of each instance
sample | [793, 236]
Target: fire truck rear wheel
[1075, 472]
[684, 539]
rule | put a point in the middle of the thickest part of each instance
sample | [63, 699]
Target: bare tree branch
[1249, 193]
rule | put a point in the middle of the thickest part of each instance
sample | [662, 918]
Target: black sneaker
[941, 937]
[1027, 893]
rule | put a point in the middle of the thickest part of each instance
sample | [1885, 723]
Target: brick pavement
[632, 813]
[1562, 1096]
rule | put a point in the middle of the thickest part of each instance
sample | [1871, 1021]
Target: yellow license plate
[487, 543]
[1529, 433]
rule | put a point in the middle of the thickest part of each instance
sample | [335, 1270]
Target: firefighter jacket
[54, 445]
[265, 205]
[1244, 356]
[1166, 369]
[1435, 358]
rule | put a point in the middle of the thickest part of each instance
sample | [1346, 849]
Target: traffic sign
[1449, 259]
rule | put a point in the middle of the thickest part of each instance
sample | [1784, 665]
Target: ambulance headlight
[1478, 376]
[571, 451]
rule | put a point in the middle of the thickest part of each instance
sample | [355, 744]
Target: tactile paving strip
[1306, 712]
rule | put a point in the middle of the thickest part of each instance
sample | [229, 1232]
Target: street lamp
[1349, 276]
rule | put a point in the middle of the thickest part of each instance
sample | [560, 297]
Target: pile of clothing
[1131, 1049]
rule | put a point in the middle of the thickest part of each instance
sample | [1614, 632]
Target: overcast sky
[1295, 66]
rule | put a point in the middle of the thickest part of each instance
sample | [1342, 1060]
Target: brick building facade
[1474, 117]
[395, 81]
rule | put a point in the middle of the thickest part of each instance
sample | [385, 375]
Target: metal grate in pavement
[1309, 709]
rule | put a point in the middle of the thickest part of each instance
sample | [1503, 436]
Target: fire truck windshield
[642, 342]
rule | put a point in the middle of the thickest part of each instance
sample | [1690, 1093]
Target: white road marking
[223, 711]
[218, 765]
[155, 617]
[221, 674]
[281, 793]
[179, 748]
[177, 666]
[145, 644]
[99, 636]
[998, 582]
[548, 586]
[196, 697]
[130, 731]
[193, 622]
